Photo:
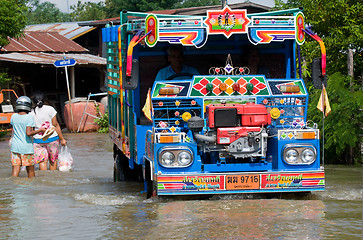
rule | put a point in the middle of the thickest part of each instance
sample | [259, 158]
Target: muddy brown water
[87, 204]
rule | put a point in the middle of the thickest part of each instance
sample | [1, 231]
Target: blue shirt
[21, 143]
[164, 73]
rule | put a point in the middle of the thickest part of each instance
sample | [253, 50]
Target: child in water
[21, 143]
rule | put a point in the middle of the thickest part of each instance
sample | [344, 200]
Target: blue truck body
[224, 131]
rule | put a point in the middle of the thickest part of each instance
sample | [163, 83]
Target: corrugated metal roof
[201, 11]
[50, 58]
[42, 42]
[70, 30]
[195, 11]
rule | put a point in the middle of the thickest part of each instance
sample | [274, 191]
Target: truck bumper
[232, 183]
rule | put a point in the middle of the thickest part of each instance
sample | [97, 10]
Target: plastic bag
[65, 160]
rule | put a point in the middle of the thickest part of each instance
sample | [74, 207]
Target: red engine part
[255, 115]
[229, 135]
[234, 115]
[224, 115]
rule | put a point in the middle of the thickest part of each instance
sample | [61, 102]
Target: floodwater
[87, 204]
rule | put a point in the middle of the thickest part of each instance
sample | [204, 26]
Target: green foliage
[8, 81]
[3, 132]
[343, 125]
[12, 20]
[103, 123]
[194, 3]
[114, 7]
[4, 79]
[44, 12]
[88, 11]
[339, 23]
[102, 120]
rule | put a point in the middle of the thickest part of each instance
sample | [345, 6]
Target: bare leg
[43, 165]
[16, 171]
[30, 170]
[52, 165]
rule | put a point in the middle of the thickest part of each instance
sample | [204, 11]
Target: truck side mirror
[131, 83]
[318, 78]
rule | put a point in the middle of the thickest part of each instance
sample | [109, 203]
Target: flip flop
[48, 133]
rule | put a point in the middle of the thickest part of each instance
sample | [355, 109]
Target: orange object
[5, 118]
[246, 181]
[169, 91]
[169, 139]
[7, 101]
[290, 88]
[88, 124]
[305, 135]
[223, 87]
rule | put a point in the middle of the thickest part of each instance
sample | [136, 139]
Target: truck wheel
[150, 191]
[118, 170]
[150, 186]
[116, 173]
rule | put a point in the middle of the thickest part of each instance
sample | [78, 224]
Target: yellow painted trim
[81, 34]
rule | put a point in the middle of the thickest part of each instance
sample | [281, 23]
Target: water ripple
[104, 200]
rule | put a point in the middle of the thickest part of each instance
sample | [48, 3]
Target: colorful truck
[226, 130]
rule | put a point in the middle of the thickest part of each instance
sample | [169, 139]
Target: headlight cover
[167, 158]
[291, 156]
[308, 155]
[298, 154]
[178, 157]
[185, 158]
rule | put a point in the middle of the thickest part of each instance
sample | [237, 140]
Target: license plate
[236, 182]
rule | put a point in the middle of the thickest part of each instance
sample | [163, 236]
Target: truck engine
[234, 132]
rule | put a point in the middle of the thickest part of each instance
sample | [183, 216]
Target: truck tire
[116, 173]
[150, 185]
[119, 171]
[150, 189]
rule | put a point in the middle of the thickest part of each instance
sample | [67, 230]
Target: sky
[64, 4]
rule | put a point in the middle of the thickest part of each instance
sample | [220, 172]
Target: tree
[44, 12]
[9, 81]
[197, 3]
[340, 25]
[342, 126]
[114, 7]
[88, 11]
[12, 20]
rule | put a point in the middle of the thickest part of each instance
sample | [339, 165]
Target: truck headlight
[308, 155]
[184, 158]
[175, 157]
[299, 154]
[167, 159]
[291, 156]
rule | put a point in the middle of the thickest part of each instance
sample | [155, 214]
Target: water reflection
[86, 204]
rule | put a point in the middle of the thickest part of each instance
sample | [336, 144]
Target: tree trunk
[224, 2]
[350, 64]
[351, 157]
